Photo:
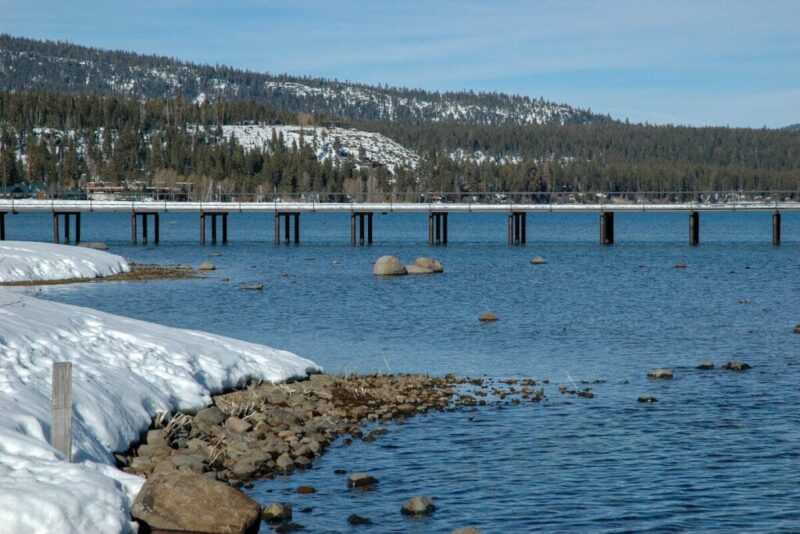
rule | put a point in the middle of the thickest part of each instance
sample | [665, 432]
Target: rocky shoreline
[273, 429]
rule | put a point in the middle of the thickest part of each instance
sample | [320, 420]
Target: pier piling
[694, 228]
[287, 217]
[606, 227]
[144, 216]
[67, 228]
[776, 228]
[224, 216]
[517, 222]
[437, 228]
[362, 217]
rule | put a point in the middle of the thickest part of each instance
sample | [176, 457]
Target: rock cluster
[277, 428]
[391, 266]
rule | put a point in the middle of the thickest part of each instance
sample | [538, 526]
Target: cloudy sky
[731, 62]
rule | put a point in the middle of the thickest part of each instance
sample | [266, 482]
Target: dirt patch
[139, 272]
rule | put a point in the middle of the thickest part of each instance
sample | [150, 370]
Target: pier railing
[730, 199]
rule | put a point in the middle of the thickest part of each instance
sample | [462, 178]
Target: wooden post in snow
[61, 431]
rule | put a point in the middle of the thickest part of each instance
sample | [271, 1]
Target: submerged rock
[418, 505]
[355, 519]
[356, 480]
[388, 266]
[207, 266]
[306, 490]
[96, 245]
[277, 511]
[647, 398]
[465, 530]
[193, 502]
[252, 287]
[796, 329]
[538, 260]
[660, 374]
[680, 265]
[707, 364]
[736, 366]
[488, 317]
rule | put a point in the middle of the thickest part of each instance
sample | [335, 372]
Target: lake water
[719, 451]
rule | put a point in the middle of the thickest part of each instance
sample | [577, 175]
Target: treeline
[604, 156]
[62, 140]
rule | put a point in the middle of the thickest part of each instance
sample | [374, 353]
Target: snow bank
[124, 372]
[22, 261]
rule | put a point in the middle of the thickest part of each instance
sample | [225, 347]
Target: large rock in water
[193, 502]
[388, 266]
[429, 263]
[417, 269]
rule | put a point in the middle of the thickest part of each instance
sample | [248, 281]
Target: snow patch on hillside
[333, 143]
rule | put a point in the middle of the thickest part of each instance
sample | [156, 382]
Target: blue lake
[719, 451]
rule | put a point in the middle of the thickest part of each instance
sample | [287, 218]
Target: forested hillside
[70, 115]
[65, 140]
[30, 65]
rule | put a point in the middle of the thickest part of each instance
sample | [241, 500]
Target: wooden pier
[287, 216]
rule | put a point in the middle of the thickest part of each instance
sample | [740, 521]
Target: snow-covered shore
[23, 261]
[125, 371]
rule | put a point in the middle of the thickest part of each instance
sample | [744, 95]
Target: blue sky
[695, 62]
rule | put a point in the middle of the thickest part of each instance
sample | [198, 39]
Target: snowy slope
[27, 261]
[376, 147]
[27, 64]
[124, 372]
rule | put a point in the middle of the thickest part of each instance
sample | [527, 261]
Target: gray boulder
[429, 263]
[388, 266]
[193, 502]
[418, 269]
